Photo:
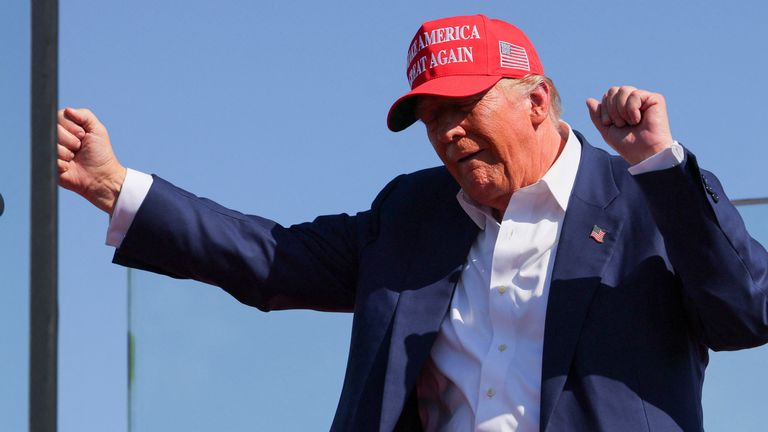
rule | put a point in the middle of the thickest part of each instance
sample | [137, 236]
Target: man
[532, 283]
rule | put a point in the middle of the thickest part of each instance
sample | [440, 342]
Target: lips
[469, 156]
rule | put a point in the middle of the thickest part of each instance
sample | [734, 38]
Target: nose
[451, 126]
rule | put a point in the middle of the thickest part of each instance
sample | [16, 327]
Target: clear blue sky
[278, 108]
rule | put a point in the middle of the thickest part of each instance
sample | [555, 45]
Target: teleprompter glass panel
[202, 361]
[14, 216]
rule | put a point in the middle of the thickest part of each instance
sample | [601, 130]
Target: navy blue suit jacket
[628, 322]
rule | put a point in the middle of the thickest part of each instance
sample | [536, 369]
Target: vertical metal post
[131, 349]
[44, 218]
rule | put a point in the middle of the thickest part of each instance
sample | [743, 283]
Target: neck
[553, 143]
[550, 142]
[551, 139]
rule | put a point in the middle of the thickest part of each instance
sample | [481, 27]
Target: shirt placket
[501, 303]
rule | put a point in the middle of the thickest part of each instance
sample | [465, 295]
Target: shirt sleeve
[667, 158]
[132, 194]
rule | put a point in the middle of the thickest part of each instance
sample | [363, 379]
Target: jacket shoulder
[417, 189]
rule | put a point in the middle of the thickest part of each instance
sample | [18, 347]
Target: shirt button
[502, 289]
[502, 348]
[490, 392]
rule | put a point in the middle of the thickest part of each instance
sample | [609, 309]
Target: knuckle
[627, 91]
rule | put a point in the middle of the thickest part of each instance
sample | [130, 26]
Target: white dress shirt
[484, 371]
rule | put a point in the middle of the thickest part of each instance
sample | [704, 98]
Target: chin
[482, 193]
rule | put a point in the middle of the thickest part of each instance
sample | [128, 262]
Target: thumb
[594, 113]
[83, 117]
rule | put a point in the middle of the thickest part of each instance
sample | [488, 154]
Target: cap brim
[402, 113]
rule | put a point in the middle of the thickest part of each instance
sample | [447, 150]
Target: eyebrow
[420, 106]
[441, 100]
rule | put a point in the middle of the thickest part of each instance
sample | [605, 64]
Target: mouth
[469, 156]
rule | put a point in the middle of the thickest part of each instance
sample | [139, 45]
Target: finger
[83, 117]
[594, 108]
[633, 106]
[63, 167]
[650, 99]
[69, 125]
[68, 140]
[620, 100]
[605, 117]
[64, 153]
[612, 106]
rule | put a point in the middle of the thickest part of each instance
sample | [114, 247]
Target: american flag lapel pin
[597, 234]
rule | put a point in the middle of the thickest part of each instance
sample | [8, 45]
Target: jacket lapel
[578, 268]
[436, 260]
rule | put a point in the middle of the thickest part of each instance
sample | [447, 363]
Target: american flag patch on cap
[513, 56]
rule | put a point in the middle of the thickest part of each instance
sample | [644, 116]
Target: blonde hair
[526, 85]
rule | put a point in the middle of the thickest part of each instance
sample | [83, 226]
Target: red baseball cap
[459, 57]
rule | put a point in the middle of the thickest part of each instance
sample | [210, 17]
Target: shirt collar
[558, 180]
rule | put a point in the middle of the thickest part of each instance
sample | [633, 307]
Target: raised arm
[723, 271]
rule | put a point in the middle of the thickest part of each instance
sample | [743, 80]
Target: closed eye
[428, 109]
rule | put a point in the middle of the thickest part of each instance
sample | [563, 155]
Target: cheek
[439, 151]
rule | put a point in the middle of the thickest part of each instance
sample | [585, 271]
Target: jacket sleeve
[259, 262]
[724, 272]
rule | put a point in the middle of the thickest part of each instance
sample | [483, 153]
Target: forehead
[426, 103]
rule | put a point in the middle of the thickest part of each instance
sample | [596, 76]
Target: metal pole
[749, 201]
[131, 350]
[44, 311]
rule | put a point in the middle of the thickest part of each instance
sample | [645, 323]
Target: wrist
[106, 190]
[649, 151]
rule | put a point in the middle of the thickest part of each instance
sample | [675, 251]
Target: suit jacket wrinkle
[628, 320]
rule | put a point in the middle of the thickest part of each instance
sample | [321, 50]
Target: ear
[539, 104]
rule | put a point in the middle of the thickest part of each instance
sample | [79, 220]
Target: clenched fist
[87, 164]
[634, 122]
